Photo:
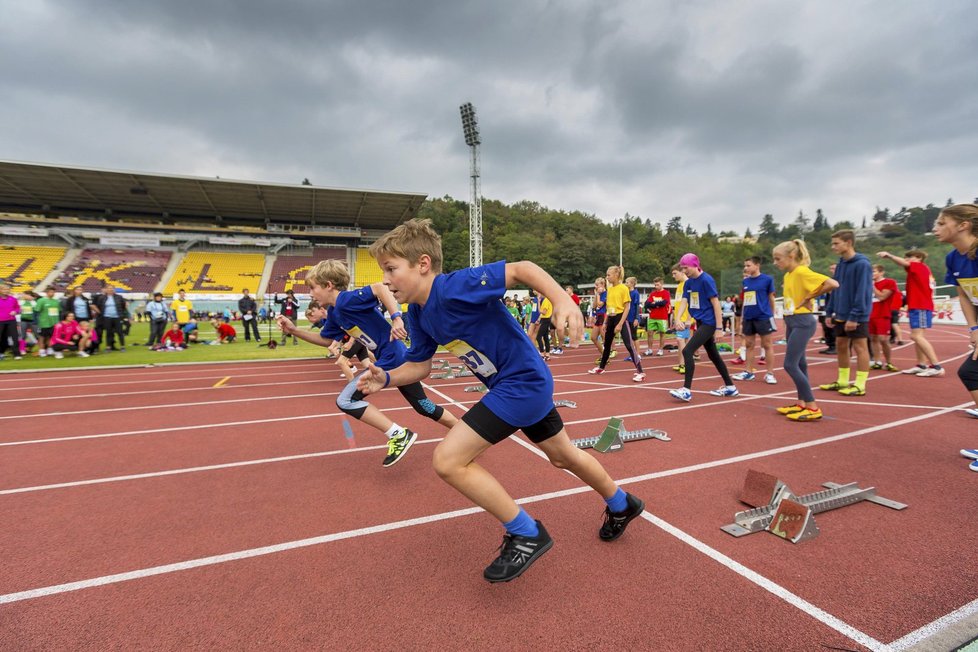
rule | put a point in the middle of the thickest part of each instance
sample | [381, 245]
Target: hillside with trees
[577, 247]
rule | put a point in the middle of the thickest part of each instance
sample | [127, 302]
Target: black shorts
[493, 429]
[599, 319]
[894, 316]
[358, 350]
[759, 326]
[861, 332]
[47, 332]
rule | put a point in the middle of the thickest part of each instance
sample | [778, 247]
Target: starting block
[778, 511]
[614, 436]
[565, 403]
[476, 388]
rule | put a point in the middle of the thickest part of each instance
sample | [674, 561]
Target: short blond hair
[410, 241]
[330, 271]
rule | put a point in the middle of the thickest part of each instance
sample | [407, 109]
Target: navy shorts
[759, 326]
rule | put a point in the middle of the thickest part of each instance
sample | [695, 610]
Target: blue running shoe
[743, 375]
[682, 394]
[970, 453]
[727, 390]
[973, 466]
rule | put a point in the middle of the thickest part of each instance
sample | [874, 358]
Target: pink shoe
[638, 378]
[737, 360]
[596, 370]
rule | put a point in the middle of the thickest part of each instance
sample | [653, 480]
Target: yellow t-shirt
[617, 298]
[546, 308]
[798, 285]
[679, 296]
[182, 310]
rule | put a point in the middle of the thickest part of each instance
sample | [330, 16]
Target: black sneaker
[517, 553]
[828, 351]
[397, 447]
[616, 522]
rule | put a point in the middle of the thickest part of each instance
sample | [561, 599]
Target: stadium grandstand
[67, 226]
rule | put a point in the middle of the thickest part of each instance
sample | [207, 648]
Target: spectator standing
[249, 312]
[920, 309]
[290, 309]
[828, 328]
[157, 312]
[182, 308]
[77, 304]
[47, 310]
[9, 310]
[727, 313]
[28, 327]
[113, 312]
[849, 307]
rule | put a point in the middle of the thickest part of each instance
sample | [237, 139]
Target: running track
[145, 508]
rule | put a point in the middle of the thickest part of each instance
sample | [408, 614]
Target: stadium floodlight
[470, 129]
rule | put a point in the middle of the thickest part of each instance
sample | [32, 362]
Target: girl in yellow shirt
[801, 286]
[617, 303]
[543, 330]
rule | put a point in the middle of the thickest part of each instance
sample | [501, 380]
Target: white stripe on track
[935, 627]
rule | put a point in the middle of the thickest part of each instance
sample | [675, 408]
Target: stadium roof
[63, 190]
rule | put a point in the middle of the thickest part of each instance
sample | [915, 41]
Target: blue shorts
[920, 318]
[684, 334]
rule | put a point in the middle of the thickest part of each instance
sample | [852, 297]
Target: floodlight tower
[470, 127]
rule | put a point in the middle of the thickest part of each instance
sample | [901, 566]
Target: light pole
[470, 127]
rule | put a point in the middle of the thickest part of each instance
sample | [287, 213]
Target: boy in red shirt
[920, 309]
[225, 331]
[173, 338]
[658, 307]
[879, 319]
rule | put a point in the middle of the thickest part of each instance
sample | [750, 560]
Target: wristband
[388, 381]
[974, 328]
[395, 315]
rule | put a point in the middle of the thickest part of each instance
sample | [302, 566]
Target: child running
[801, 287]
[701, 297]
[618, 304]
[462, 311]
[958, 226]
[356, 312]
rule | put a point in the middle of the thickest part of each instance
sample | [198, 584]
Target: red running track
[147, 508]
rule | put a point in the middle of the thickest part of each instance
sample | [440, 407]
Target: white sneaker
[43, 353]
[660, 352]
[931, 372]
[914, 370]
[743, 375]
[596, 370]
[647, 352]
[58, 355]
[18, 357]
[726, 390]
[50, 351]
[972, 412]
[970, 453]
[82, 354]
[770, 379]
[638, 378]
[682, 394]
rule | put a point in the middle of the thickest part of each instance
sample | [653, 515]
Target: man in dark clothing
[290, 309]
[249, 315]
[113, 314]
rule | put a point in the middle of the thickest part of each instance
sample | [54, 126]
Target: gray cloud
[716, 112]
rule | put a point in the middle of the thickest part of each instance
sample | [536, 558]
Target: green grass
[137, 354]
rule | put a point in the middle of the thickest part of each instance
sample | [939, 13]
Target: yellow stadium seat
[23, 268]
[210, 272]
[366, 271]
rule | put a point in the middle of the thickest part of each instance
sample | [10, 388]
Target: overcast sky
[716, 111]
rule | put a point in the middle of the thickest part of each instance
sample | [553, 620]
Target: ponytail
[796, 249]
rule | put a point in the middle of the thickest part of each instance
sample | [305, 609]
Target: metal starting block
[476, 388]
[565, 403]
[441, 376]
[777, 510]
[614, 436]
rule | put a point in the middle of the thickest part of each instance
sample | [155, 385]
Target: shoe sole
[969, 454]
[404, 452]
[529, 562]
[641, 508]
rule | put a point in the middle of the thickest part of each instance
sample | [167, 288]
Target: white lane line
[774, 588]
[934, 627]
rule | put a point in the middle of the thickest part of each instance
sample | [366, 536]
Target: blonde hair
[600, 281]
[411, 240]
[795, 249]
[632, 280]
[619, 271]
[330, 271]
[961, 213]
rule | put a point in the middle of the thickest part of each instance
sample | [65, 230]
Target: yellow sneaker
[852, 390]
[806, 415]
[789, 409]
[833, 387]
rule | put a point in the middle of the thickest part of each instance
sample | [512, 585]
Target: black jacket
[120, 305]
[246, 305]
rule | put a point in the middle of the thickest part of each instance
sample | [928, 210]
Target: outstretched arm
[565, 310]
[290, 328]
[902, 262]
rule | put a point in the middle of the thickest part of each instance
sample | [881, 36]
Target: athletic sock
[522, 525]
[843, 376]
[618, 503]
[861, 377]
[393, 431]
[935, 366]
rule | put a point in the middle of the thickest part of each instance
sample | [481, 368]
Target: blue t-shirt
[633, 306]
[80, 308]
[698, 292]
[757, 292]
[603, 298]
[357, 313]
[465, 313]
[962, 272]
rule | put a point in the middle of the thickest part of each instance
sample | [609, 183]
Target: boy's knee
[444, 464]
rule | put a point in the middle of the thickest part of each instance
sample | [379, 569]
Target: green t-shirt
[26, 310]
[514, 311]
[47, 312]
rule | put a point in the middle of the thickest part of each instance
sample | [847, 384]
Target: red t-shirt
[883, 308]
[576, 299]
[226, 330]
[661, 312]
[920, 294]
[174, 337]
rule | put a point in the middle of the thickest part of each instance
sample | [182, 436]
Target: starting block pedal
[443, 375]
[565, 403]
[476, 388]
[793, 517]
[463, 373]
[614, 436]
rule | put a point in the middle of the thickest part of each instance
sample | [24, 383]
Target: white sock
[393, 431]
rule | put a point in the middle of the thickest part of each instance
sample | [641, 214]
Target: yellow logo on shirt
[694, 300]
[750, 298]
[476, 361]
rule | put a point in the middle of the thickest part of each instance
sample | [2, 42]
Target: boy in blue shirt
[758, 318]
[700, 298]
[356, 312]
[463, 311]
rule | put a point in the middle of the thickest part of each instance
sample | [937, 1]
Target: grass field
[137, 354]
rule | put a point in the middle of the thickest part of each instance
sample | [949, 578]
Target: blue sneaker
[628, 359]
[727, 390]
[973, 466]
[970, 453]
[972, 412]
[743, 375]
[682, 394]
